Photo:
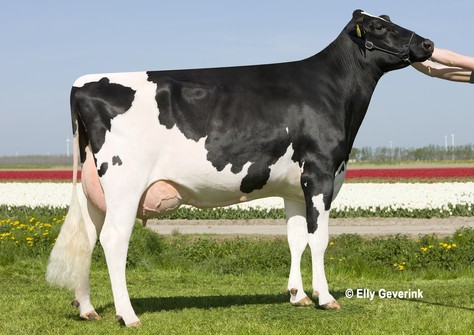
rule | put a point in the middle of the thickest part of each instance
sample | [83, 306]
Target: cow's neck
[344, 63]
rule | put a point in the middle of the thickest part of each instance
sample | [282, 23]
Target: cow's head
[394, 47]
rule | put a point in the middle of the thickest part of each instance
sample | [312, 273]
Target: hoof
[135, 324]
[331, 306]
[315, 295]
[305, 302]
[91, 316]
[75, 303]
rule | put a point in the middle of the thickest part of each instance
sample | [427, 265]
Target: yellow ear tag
[358, 32]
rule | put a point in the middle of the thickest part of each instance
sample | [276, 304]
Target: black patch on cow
[187, 105]
[96, 104]
[103, 169]
[240, 111]
[116, 160]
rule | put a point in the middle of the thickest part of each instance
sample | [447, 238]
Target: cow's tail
[69, 261]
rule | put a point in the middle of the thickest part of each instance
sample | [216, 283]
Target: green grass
[196, 284]
[196, 302]
[222, 213]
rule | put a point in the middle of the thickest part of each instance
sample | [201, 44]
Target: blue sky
[47, 44]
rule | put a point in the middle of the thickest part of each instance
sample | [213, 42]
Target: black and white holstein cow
[151, 141]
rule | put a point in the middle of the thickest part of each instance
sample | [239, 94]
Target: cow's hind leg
[122, 202]
[297, 241]
[94, 220]
[318, 243]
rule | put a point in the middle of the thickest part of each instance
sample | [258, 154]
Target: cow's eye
[380, 28]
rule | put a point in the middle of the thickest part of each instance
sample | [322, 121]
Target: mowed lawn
[177, 302]
[192, 286]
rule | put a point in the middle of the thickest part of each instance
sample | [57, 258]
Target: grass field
[195, 302]
[202, 285]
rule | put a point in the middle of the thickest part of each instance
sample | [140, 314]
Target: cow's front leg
[318, 191]
[318, 242]
[297, 241]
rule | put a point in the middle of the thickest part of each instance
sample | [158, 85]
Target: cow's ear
[358, 19]
[358, 14]
[386, 18]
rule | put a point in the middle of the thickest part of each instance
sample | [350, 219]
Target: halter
[403, 53]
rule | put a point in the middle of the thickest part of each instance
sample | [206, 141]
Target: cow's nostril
[428, 45]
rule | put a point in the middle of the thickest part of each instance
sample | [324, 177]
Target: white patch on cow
[318, 203]
[287, 130]
[284, 178]
[302, 167]
[378, 17]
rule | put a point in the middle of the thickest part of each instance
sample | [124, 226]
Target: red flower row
[414, 173]
[404, 173]
[36, 174]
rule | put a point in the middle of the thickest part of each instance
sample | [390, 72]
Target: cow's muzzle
[404, 53]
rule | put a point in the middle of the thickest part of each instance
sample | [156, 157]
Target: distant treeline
[429, 153]
[36, 161]
[366, 154]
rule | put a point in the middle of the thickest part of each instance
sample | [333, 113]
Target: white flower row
[364, 196]
[409, 196]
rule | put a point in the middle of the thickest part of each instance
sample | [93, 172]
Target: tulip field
[400, 192]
